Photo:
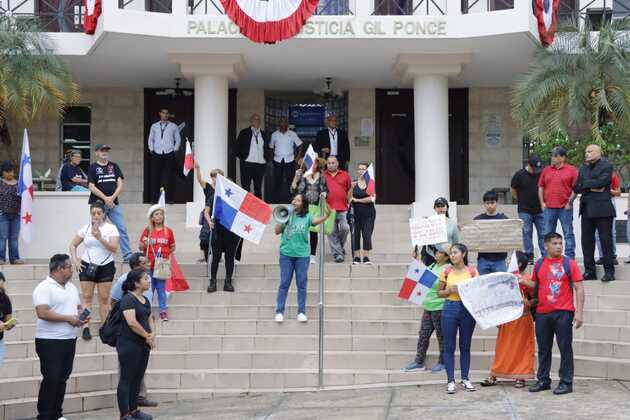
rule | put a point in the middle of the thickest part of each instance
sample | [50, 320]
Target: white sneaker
[451, 388]
[279, 318]
[468, 386]
[302, 318]
[313, 260]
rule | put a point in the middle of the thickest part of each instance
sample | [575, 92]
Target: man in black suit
[333, 142]
[252, 149]
[597, 211]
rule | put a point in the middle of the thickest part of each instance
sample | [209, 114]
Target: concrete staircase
[228, 343]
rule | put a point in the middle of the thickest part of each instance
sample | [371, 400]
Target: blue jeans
[160, 286]
[485, 266]
[9, 231]
[566, 221]
[614, 238]
[116, 216]
[456, 317]
[287, 266]
[529, 221]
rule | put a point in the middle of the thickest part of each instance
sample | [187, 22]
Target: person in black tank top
[364, 217]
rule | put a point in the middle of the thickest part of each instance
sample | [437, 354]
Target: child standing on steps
[158, 243]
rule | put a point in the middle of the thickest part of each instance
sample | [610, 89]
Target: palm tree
[579, 83]
[33, 82]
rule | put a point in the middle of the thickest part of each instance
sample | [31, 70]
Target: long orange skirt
[515, 349]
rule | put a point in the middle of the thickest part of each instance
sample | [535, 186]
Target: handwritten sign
[493, 235]
[492, 299]
[429, 230]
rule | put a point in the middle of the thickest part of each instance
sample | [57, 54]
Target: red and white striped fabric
[92, 12]
[269, 21]
[546, 12]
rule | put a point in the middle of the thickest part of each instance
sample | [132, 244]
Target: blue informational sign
[307, 115]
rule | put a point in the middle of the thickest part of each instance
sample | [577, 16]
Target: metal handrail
[322, 253]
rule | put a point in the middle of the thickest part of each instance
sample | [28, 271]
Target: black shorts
[104, 273]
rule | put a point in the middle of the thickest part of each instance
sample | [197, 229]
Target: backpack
[566, 266]
[110, 329]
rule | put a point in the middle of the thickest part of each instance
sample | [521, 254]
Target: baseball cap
[102, 147]
[440, 201]
[558, 151]
[444, 248]
[535, 162]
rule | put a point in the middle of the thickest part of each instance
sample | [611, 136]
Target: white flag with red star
[25, 190]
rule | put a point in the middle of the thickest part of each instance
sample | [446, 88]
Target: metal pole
[322, 238]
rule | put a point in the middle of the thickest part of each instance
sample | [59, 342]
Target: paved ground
[591, 400]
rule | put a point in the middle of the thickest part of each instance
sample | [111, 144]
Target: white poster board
[492, 299]
[429, 230]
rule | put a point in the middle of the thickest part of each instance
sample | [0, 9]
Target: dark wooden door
[394, 146]
[182, 109]
[458, 144]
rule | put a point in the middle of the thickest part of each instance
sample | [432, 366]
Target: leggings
[431, 321]
[133, 358]
[227, 247]
[314, 238]
[363, 228]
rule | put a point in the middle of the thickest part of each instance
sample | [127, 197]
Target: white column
[211, 126]
[430, 94]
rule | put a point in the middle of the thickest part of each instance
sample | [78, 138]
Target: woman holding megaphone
[294, 253]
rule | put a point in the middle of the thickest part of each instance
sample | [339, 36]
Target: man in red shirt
[555, 191]
[615, 191]
[338, 183]
[556, 276]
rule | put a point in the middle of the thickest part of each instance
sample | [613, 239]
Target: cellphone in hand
[84, 315]
[11, 322]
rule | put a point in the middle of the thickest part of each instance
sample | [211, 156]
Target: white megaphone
[281, 213]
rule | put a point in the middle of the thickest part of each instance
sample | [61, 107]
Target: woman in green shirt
[432, 316]
[294, 254]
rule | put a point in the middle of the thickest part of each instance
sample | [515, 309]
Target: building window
[76, 132]
[393, 7]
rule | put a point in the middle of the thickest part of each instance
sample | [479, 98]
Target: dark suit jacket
[595, 204]
[243, 142]
[343, 145]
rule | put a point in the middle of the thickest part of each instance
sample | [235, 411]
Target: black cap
[535, 162]
[440, 201]
[558, 151]
[102, 147]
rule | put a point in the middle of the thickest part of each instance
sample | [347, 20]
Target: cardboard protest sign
[429, 230]
[493, 235]
[493, 299]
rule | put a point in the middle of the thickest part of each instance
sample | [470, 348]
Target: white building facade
[423, 86]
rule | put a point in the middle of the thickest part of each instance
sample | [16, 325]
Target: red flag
[92, 12]
[177, 282]
[189, 162]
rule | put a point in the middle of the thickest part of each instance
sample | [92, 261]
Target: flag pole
[322, 250]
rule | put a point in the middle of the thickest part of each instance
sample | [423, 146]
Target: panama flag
[368, 176]
[25, 190]
[240, 211]
[310, 161]
[546, 12]
[418, 281]
[189, 162]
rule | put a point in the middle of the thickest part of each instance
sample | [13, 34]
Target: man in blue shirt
[136, 260]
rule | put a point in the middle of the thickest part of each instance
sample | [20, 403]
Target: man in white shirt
[252, 149]
[284, 143]
[164, 141]
[57, 305]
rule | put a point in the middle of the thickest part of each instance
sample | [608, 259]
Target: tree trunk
[7, 151]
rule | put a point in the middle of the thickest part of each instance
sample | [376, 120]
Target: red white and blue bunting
[269, 21]
[546, 12]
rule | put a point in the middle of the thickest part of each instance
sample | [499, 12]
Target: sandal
[489, 381]
[520, 383]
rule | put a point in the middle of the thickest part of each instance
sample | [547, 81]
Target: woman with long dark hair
[294, 254]
[455, 317]
[10, 203]
[5, 315]
[364, 216]
[136, 340]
